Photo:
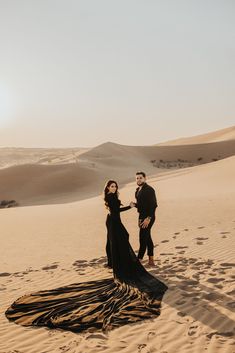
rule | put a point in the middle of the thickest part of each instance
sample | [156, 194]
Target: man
[146, 204]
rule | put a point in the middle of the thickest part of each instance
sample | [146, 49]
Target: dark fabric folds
[132, 295]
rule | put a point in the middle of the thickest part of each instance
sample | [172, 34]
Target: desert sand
[57, 237]
[214, 136]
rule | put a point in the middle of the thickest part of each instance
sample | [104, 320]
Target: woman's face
[112, 188]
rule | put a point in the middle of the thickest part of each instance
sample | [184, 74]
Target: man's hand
[145, 223]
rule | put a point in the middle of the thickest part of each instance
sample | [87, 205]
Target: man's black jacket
[146, 201]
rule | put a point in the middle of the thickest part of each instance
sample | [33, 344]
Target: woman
[113, 220]
[131, 295]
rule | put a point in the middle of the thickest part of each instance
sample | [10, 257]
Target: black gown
[133, 294]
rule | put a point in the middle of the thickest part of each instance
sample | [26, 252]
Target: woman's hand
[132, 204]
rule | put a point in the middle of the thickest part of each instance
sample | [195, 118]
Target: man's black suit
[146, 203]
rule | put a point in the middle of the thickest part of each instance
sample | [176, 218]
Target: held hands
[132, 204]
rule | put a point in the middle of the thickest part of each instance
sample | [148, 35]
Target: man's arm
[151, 205]
[151, 202]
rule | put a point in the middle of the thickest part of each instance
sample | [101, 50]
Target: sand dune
[53, 245]
[41, 183]
[38, 184]
[116, 156]
[10, 156]
[214, 136]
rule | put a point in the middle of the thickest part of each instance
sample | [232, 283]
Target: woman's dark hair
[106, 190]
[141, 173]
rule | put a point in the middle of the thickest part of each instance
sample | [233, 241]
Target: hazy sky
[137, 72]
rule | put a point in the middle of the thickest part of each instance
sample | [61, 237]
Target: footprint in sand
[96, 261]
[201, 238]
[196, 276]
[199, 243]
[192, 260]
[176, 233]
[141, 347]
[231, 305]
[192, 330]
[18, 274]
[181, 252]
[225, 334]
[80, 263]
[151, 334]
[224, 232]
[215, 280]
[232, 292]
[180, 276]
[211, 296]
[216, 269]
[181, 314]
[201, 227]
[221, 272]
[164, 241]
[49, 267]
[198, 264]
[181, 247]
[186, 229]
[180, 302]
[209, 262]
[5, 274]
[227, 264]
[189, 282]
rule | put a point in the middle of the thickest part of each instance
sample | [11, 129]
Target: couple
[131, 295]
[146, 204]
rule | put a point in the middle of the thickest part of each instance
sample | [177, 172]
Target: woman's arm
[132, 204]
[125, 208]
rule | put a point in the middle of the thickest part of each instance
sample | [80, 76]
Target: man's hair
[141, 173]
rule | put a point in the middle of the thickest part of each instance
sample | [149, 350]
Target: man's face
[140, 179]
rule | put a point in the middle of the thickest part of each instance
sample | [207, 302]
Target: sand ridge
[214, 136]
